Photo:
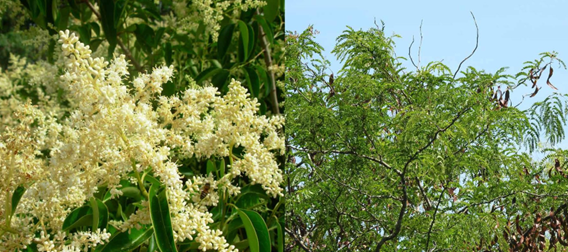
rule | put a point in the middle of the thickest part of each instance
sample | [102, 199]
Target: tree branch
[401, 214]
[486, 202]
[434, 218]
[302, 245]
[410, 53]
[474, 49]
[403, 181]
[423, 193]
[129, 56]
[379, 160]
[268, 62]
[454, 120]
[420, 46]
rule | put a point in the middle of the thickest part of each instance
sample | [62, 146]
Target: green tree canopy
[386, 158]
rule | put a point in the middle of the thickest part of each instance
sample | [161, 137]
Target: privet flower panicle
[109, 132]
[210, 13]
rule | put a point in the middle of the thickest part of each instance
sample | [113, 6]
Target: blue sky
[510, 32]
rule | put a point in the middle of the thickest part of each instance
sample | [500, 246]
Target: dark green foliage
[387, 158]
[239, 53]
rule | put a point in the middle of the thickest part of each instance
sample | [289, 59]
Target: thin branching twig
[474, 49]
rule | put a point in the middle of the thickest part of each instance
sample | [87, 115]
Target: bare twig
[129, 56]
[268, 62]
[474, 49]
[93, 9]
[420, 46]
[410, 53]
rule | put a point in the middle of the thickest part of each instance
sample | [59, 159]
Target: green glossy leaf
[192, 246]
[248, 200]
[225, 37]
[127, 241]
[211, 167]
[207, 73]
[253, 81]
[262, 108]
[145, 37]
[123, 215]
[264, 80]
[16, 196]
[84, 33]
[271, 9]
[152, 244]
[96, 28]
[118, 11]
[221, 79]
[30, 6]
[217, 212]
[157, 39]
[216, 63]
[106, 10]
[252, 40]
[168, 53]
[85, 14]
[268, 34]
[118, 214]
[132, 192]
[161, 220]
[243, 51]
[75, 215]
[222, 167]
[254, 189]
[130, 28]
[63, 18]
[280, 242]
[95, 43]
[84, 221]
[257, 232]
[100, 214]
[152, 180]
[42, 6]
[96, 211]
[233, 228]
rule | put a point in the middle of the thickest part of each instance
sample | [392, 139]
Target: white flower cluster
[211, 13]
[110, 132]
